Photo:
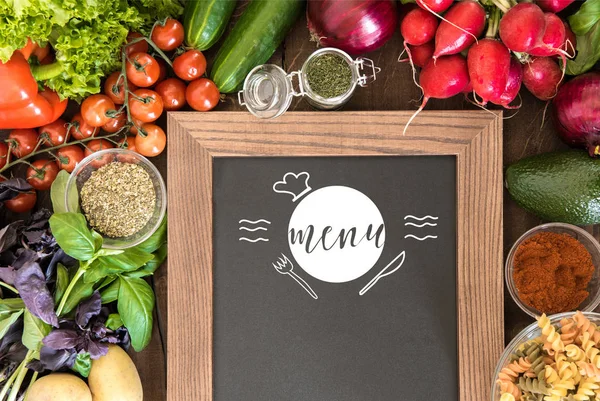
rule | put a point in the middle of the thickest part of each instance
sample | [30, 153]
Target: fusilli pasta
[550, 334]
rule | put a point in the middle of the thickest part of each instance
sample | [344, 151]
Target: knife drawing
[384, 272]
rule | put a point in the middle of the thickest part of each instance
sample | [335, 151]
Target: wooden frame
[474, 137]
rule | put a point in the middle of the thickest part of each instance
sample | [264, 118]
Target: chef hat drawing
[293, 184]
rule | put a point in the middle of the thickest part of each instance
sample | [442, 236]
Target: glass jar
[268, 90]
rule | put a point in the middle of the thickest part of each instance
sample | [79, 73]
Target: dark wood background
[526, 132]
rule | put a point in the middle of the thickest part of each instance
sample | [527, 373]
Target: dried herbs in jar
[329, 75]
[118, 199]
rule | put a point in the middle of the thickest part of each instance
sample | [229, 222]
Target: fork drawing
[285, 266]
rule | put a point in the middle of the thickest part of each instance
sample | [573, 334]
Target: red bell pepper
[44, 109]
[19, 87]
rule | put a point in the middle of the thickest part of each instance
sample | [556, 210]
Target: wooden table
[525, 134]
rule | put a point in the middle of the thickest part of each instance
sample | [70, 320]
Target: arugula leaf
[73, 235]
[110, 293]
[135, 306]
[588, 52]
[156, 240]
[57, 194]
[583, 20]
[149, 268]
[34, 331]
[131, 259]
[62, 282]
[114, 321]
[83, 364]
[8, 320]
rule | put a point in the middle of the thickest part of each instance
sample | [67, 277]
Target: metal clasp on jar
[366, 63]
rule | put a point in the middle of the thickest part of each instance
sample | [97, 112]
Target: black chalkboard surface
[335, 279]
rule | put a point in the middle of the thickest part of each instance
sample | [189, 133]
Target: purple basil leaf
[24, 256]
[99, 329]
[34, 236]
[88, 309]
[123, 336]
[59, 257]
[31, 283]
[13, 335]
[62, 339]
[111, 339]
[8, 275]
[9, 235]
[52, 359]
[39, 220]
[97, 349]
[13, 187]
[16, 353]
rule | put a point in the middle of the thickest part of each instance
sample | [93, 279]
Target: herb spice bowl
[587, 240]
[134, 176]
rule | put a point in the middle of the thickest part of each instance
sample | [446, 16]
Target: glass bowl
[529, 333]
[91, 163]
[590, 243]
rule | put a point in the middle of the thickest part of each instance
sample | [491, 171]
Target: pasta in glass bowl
[556, 358]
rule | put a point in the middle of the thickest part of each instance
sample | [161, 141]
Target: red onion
[355, 26]
[576, 112]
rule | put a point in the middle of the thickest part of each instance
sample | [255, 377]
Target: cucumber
[253, 40]
[205, 21]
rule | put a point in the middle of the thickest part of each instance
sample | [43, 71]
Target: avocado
[559, 186]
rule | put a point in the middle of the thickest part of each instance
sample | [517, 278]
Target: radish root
[414, 115]
[412, 65]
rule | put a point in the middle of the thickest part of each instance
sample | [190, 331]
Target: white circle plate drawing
[336, 234]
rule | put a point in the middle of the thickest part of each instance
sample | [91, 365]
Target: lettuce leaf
[87, 36]
[155, 10]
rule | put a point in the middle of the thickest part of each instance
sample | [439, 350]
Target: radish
[489, 65]
[542, 77]
[418, 27]
[570, 40]
[420, 54]
[522, 27]
[442, 78]
[513, 85]
[435, 6]
[554, 37]
[470, 17]
[554, 6]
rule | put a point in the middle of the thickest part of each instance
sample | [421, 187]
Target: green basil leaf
[34, 331]
[588, 52]
[83, 364]
[584, 19]
[109, 252]
[73, 236]
[149, 268]
[110, 293]
[114, 321]
[8, 320]
[136, 305]
[57, 194]
[131, 259]
[157, 239]
[62, 282]
[97, 241]
[10, 305]
[81, 290]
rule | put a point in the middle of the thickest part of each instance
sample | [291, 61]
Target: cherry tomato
[136, 124]
[54, 134]
[172, 92]
[95, 110]
[138, 47]
[3, 154]
[128, 143]
[42, 174]
[22, 141]
[115, 124]
[80, 129]
[69, 157]
[22, 203]
[146, 105]
[114, 90]
[202, 94]
[168, 36]
[142, 69]
[151, 141]
[190, 65]
[97, 145]
[163, 70]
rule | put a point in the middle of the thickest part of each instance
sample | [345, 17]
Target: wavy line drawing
[253, 240]
[253, 229]
[254, 222]
[419, 238]
[410, 216]
[420, 225]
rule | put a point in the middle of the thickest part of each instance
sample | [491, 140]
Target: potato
[114, 377]
[59, 387]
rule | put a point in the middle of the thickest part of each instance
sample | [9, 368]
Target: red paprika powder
[551, 272]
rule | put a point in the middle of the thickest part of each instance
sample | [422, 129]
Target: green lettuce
[156, 10]
[87, 36]
[585, 23]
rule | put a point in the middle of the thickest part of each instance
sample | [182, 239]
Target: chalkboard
[334, 278]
